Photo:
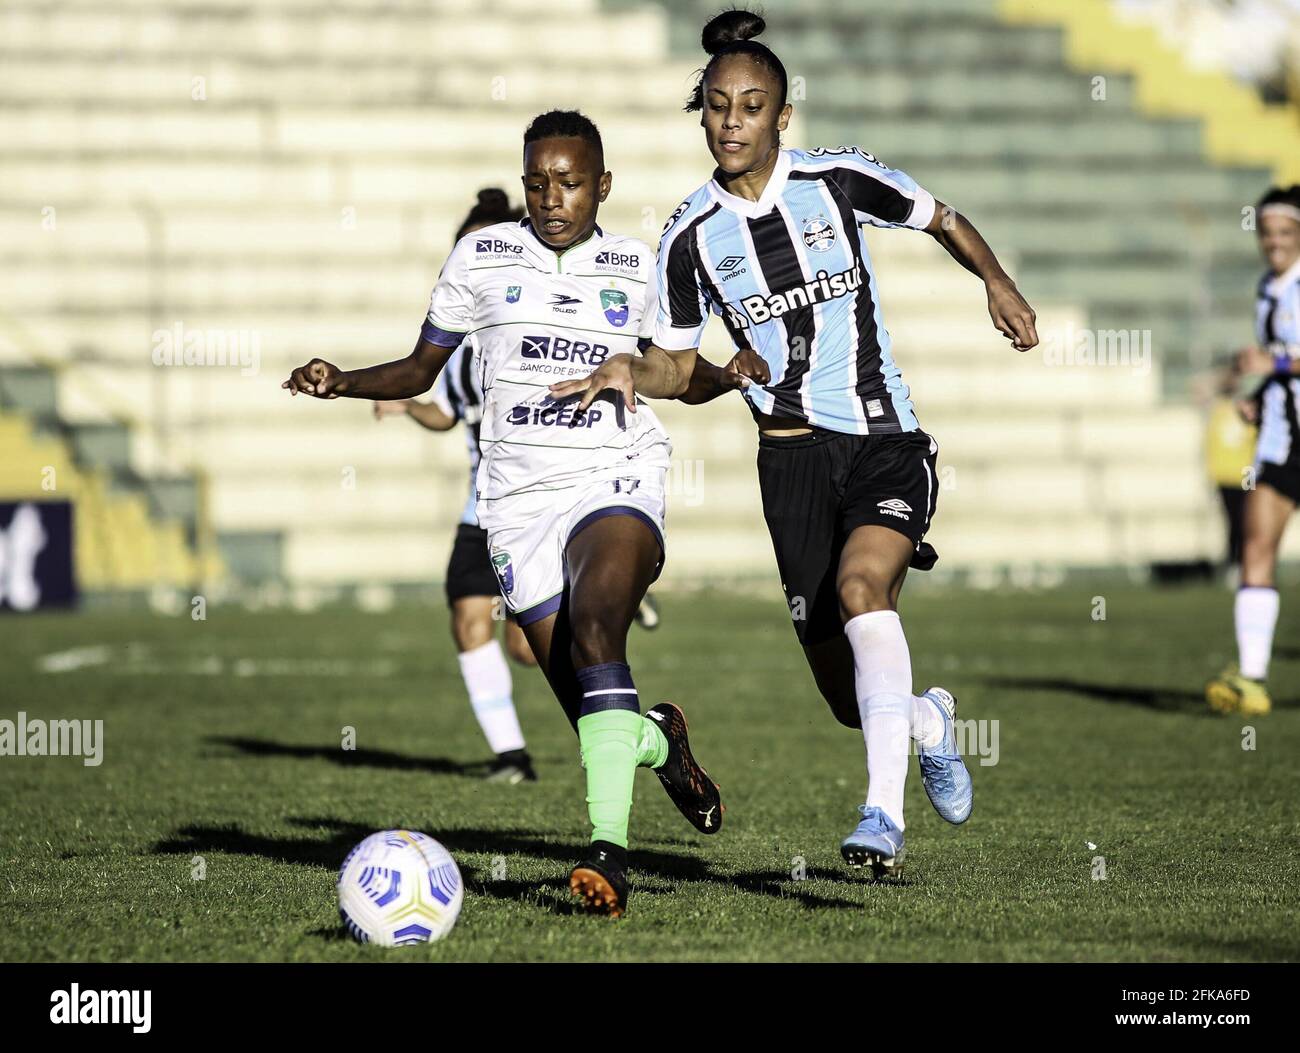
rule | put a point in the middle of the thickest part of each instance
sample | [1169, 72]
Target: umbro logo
[728, 262]
[895, 507]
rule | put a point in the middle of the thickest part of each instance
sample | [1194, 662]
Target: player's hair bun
[729, 27]
[493, 198]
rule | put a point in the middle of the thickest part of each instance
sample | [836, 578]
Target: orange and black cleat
[600, 880]
[696, 795]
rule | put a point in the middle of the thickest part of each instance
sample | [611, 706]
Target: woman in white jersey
[572, 498]
[773, 244]
[1273, 498]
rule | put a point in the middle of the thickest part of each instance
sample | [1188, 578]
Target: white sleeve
[451, 307]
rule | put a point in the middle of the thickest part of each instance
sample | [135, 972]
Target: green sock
[652, 748]
[609, 753]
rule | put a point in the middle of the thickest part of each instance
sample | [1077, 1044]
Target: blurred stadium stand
[289, 174]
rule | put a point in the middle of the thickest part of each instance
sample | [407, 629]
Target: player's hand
[615, 372]
[1248, 411]
[748, 365]
[318, 378]
[1255, 361]
[397, 408]
[1012, 315]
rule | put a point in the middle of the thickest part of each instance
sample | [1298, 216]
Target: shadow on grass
[654, 872]
[1169, 700]
[1163, 699]
[349, 758]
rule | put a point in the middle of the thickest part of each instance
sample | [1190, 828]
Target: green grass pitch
[222, 741]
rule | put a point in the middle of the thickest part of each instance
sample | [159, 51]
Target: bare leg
[517, 645]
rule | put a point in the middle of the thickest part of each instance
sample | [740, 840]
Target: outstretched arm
[655, 374]
[1011, 314]
[661, 374]
[402, 379]
[426, 414]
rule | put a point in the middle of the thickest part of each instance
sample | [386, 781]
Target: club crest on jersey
[513, 293]
[818, 234]
[614, 303]
[505, 571]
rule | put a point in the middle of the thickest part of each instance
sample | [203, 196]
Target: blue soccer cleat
[877, 842]
[943, 773]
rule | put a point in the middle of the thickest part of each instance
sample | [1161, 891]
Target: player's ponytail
[493, 206]
[732, 32]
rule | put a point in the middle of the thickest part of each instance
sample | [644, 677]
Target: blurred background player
[1269, 504]
[773, 243]
[472, 591]
[1229, 451]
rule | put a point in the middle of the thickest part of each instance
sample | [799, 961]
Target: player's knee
[470, 630]
[861, 594]
[1258, 562]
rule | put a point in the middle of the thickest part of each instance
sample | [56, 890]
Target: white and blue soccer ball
[399, 887]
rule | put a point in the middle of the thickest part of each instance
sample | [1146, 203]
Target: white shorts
[528, 550]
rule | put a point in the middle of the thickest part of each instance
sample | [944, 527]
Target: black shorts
[469, 571]
[818, 488]
[1283, 478]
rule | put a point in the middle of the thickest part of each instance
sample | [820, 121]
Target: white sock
[882, 670]
[1255, 614]
[487, 679]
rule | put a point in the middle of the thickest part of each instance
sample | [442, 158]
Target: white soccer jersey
[535, 317]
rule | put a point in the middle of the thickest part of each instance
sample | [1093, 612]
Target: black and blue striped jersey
[791, 278]
[1277, 328]
[458, 393]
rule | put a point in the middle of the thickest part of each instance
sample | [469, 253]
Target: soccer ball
[399, 887]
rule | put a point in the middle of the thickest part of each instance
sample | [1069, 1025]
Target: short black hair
[565, 124]
[1281, 196]
[493, 206]
[731, 32]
